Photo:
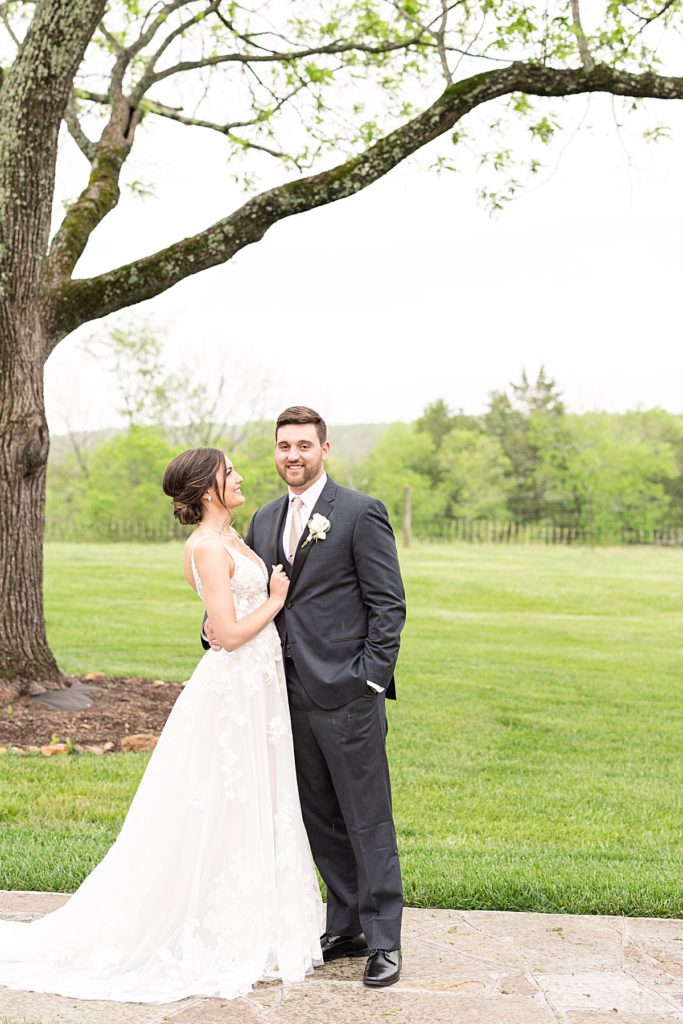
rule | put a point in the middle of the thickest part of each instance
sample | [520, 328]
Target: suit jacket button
[288, 605]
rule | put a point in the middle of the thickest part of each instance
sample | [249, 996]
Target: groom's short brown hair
[303, 414]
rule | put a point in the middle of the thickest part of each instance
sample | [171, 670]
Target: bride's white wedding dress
[210, 885]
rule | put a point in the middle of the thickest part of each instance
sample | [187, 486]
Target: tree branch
[127, 53]
[147, 35]
[77, 301]
[147, 78]
[223, 129]
[284, 58]
[100, 195]
[584, 52]
[653, 17]
[438, 35]
[86, 145]
[87, 94]
[8, 27]
[176, 114]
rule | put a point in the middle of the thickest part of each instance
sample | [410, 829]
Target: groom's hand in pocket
[211, 637]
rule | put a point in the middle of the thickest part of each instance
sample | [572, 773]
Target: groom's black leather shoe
[335, 946]
[383, 968]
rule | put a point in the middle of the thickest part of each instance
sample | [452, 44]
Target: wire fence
[117, 531]
[491, 531]
[469, 531]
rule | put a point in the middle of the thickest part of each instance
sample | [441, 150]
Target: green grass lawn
[536, 745]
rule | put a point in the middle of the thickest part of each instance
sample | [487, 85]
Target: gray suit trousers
[343, 780]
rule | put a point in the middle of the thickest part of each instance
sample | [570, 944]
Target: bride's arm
[215, 567]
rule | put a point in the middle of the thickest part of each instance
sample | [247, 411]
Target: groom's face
[299, 455]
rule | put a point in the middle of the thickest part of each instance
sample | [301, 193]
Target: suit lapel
[325, 506]
[275, 530]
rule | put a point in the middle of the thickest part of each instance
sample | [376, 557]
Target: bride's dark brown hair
[188, 477]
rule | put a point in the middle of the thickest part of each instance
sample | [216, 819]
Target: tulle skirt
[210, 885]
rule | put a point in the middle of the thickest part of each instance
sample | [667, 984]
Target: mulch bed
[121, 706]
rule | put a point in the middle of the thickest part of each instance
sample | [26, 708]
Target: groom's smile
[299, 455]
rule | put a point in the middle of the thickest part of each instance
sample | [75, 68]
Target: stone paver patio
[460, 967]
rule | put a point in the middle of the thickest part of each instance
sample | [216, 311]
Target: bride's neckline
[245, 552]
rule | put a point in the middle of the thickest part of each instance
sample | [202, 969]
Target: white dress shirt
[309, 498]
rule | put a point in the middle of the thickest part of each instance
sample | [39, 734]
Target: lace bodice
[249, 582]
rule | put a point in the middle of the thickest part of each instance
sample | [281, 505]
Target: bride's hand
[214, 642]
[279, 584]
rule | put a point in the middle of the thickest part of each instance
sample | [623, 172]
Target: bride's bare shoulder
[208, 551]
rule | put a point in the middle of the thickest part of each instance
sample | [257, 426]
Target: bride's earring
[208, 497]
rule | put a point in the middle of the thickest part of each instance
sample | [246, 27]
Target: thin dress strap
[197, 577]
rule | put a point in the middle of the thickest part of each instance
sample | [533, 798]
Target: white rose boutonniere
[318, 526]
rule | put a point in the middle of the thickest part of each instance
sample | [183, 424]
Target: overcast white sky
[407, 292]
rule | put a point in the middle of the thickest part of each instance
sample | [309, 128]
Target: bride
[210, 886]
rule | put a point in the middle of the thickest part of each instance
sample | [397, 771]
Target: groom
[340, 631]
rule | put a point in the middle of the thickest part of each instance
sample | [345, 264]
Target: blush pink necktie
[296, 527]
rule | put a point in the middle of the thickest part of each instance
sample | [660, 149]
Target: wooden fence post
[407, 515]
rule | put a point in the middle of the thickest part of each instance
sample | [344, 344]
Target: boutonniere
[318, 526]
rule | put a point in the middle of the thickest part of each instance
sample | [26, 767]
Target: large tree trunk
[33, 97]
[26, 662]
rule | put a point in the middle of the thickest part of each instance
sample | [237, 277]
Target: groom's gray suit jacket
[345, 608]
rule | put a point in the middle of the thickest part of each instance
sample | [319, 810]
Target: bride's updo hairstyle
[188, 477]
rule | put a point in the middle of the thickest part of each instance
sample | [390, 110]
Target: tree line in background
[596, 477]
